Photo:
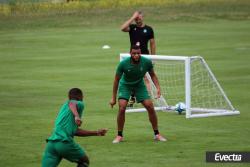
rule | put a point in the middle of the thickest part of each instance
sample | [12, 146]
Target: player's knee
[148, 105]
[150, 108]
[122, 109]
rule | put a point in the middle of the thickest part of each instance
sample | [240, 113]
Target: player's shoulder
[77, 102]
[145, 59]
[124, 61]
[148, 27]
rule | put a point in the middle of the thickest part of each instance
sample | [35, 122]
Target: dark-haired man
[129, 78]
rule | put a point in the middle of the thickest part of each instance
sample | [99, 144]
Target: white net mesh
[171, 76]
[205, 93]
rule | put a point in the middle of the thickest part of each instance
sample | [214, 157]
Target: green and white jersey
[65, 126]
[132, 74]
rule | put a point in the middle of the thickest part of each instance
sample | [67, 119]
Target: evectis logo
[224, 157]
[227, 157]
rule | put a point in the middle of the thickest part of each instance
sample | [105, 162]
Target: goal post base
[213, 114]
[197, 113]
[131, 110]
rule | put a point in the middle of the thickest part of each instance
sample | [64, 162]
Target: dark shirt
[140, 36]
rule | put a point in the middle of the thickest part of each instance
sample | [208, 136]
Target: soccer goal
[188, 80]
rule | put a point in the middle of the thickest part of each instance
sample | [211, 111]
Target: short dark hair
[75, 94]
[136, 47]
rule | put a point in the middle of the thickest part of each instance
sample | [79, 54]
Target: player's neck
[140, 25]
[134, 62]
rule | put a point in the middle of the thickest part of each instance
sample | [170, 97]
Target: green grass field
[41, 59]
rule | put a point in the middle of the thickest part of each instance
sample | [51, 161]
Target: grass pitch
[40, 62]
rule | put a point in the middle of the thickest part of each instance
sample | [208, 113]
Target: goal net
[188, 80]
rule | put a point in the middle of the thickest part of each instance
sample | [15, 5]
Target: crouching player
[61, 143]
[129, 78]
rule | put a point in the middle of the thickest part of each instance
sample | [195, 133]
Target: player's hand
[112, 102]
[78, 121]
[135, 15]
[102, 132]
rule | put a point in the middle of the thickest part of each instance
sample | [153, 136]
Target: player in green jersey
[129, 78]
[140, 34]
[61, 144]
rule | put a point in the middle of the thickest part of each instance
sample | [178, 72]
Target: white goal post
[188, 80]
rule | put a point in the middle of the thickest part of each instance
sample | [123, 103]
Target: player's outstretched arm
[115, 88]
[84, 133]
[156, 82]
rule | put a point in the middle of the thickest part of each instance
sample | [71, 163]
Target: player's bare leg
[121, 114]
[151, 113]
[120, 120]
[148, 104]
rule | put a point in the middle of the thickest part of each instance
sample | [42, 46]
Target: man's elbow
[152, 44]
[124, 29]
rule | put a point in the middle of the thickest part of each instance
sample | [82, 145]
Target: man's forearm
[125, 25]
[156, 82]
[115, 86]
[152, 47]
[157, 85]
[83, 133]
